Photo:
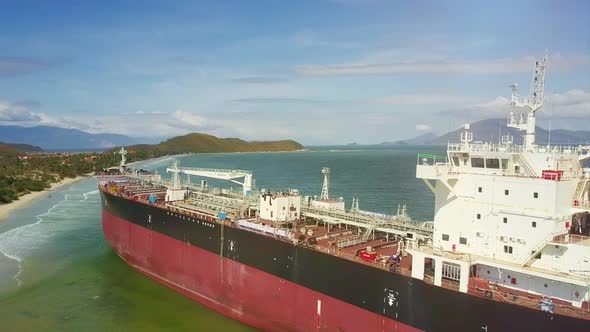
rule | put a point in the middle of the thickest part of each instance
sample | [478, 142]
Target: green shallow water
[58, 274]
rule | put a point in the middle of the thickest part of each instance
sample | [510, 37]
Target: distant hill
[424, 139]
[490, 129]
[204, 143]
[24, 147]
[54, 138]
[10, 149]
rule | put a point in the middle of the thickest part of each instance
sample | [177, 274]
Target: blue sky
[320, 72]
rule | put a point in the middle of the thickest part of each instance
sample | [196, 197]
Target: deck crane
[221, 174]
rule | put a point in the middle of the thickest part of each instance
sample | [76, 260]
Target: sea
[58, 274]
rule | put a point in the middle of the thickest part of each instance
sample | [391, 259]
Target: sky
[318, 71]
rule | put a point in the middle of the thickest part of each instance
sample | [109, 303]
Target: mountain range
[54, 138]
[491, 129]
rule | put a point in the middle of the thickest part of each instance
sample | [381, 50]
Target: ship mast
[325, 187]
[123, 162]
[530, 105]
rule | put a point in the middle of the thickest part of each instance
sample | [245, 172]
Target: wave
[89, 193]
[61, 218]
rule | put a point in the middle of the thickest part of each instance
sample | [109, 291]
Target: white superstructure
[512, 214]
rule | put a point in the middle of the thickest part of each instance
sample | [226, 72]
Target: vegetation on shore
[21, 173]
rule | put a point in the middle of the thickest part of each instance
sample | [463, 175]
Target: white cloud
[189, 121]
[138, 124]
[427, 99]
[494, 66]
[15, 112]
[152, 124]
[423, 127]
[572, 104]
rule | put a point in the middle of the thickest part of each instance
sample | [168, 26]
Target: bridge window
[462, 240]
[504, 163]
[445, 237]
[477, 162]
[508, 249]
[493, 163]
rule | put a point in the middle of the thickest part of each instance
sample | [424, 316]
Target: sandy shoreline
[23, 201]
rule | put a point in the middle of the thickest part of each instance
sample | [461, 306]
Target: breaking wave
[60, 219]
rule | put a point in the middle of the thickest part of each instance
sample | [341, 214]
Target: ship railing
[538, 247]
[349, 242]
[396, 223]
[571, 239]
[513, 148]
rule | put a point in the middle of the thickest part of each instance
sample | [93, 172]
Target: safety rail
[571, 239]
[490, 147]
[394, 223]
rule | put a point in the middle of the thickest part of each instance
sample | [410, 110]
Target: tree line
[22, 174]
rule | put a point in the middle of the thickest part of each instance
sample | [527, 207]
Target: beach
[23, 201]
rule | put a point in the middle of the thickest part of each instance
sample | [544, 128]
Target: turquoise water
[58, 274]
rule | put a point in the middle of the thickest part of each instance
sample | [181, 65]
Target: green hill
[203, 143]
[10, 149]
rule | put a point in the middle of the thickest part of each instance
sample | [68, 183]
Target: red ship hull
[234, 289]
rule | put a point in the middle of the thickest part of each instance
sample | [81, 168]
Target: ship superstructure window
[534, 224]
[445, 237]
[477, 162]
[479, 189]
[455, 161]
[505, 220]
[504, 163]
[493, 163]
[536, 195]
[479, 216]
[508, 249]
[506, 192]
[463, 240]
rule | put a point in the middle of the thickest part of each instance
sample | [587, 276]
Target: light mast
[123, 162]
[530, 105]
[325, 187]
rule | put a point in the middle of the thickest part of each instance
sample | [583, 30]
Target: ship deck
[340, 240]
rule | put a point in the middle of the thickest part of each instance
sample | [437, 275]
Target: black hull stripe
[420, 305]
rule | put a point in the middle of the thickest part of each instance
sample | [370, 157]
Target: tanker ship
[508, 249]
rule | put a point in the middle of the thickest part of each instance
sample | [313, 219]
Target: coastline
[23, 201]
